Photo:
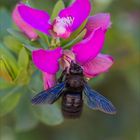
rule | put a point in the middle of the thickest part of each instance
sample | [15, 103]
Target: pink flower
[86, 53]
[67, 21]
[24, 27]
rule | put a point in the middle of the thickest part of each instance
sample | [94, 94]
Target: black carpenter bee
[71, 86]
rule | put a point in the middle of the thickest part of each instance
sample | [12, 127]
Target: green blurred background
[121, 85]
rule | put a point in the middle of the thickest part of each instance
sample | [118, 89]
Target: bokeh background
[121, 84]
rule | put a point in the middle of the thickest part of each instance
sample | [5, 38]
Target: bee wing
[49, 96]
[98, 102]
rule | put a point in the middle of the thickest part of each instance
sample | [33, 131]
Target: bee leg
[60, 79]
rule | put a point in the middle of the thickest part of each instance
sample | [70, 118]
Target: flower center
[59, 29]
[62, 26]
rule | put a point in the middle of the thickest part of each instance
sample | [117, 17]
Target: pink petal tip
[49, 80]
[24, 27]
[100, 20]
[98, 65]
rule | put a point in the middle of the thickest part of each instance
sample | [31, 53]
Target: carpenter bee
[71, 86]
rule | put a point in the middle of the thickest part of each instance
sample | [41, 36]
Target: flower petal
[100, 20]
[49, 80]
[36, 18]
[101, 63]
[24, 27]
[88, 49]
[47, 60]
[78, 11]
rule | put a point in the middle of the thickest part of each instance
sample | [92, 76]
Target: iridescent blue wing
[49, 96]
[98, 102]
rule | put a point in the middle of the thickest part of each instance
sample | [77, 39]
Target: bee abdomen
[72, 104]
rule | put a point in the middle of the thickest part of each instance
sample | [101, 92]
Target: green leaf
[29, 47]
[12, 43]
[58, 6]
[23, 77]
[49, 114]
[76, 40]
[44, 40]
[23, 59]
[25, 41]
[21, 37]
[6, 71]
[8, 64]
[9, 101]
[7, 55]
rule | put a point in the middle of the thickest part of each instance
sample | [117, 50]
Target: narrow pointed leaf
[44, 40]
[58, 6]
[75, 40]
[8, 63]
[12, 43]
[5, 71]
[23, 59]
[29, 47]
[21, 37]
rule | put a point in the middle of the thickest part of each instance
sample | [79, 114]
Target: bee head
[75, 69]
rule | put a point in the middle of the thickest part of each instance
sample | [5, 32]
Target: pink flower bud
[23, 26]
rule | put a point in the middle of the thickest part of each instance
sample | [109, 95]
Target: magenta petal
[101, 63]
[101, 20]
[24, 27]
[88, 49]
[36, 18]
[49, 80]
[78, 11]
[47, 60]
